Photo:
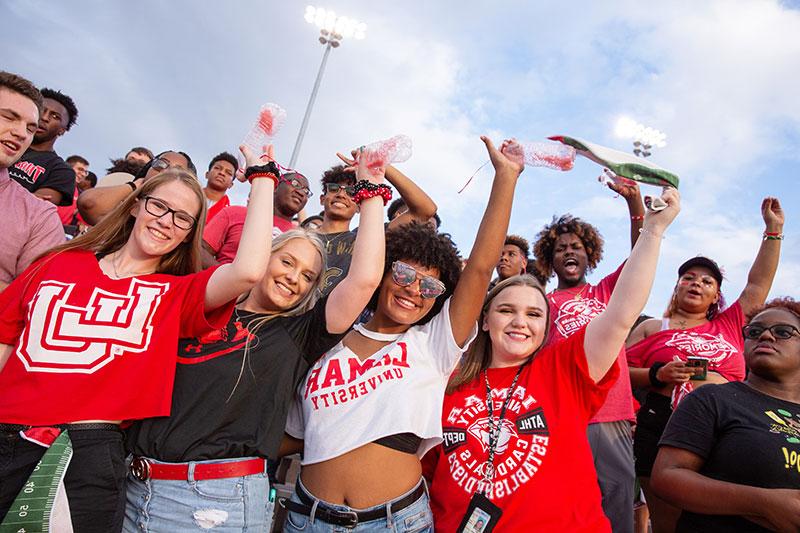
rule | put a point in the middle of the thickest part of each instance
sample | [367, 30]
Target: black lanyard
[494, 429]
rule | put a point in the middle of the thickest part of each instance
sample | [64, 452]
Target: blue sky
[719, 77]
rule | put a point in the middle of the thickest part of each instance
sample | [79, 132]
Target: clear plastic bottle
[548, 154]
[394, 150]
[270, 119]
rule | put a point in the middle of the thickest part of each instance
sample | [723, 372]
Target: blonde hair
[305, 304]
[479, 356]
[114, 230]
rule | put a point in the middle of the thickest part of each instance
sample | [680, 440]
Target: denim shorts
[415, 518]
[221, 505]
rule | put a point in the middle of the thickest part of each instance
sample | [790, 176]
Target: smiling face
[768, 356]
[52, 122]
[338, 205]
[697, 290]
[19, 118]
[516, 322]
[291, 273]
[155, 236]
[569, 259]
[512, 262]
[405, 305]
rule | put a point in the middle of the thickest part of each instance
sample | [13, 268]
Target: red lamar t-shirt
[719, 340]
[544, 472]
[89, 347]
[571, 310]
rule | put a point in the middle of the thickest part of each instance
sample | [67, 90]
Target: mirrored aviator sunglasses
[404, 275]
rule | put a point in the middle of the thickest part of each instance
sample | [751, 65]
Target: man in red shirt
[219, 178]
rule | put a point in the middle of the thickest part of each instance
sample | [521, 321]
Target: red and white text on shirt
[66, 338]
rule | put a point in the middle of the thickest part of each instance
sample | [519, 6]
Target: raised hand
[509, 157]
[251, 159]
[772, 213]
[628, 189]
[658, 221]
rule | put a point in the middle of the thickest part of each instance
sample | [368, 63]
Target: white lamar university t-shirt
[345, 403]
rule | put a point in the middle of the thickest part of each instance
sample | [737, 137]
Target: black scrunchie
[269, 168]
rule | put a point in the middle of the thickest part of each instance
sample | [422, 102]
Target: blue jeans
[220, 505]
[415, 518]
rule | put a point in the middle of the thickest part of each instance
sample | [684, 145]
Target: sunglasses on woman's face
[404, 275]
[779, 331]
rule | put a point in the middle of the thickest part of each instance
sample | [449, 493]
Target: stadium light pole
[332, 29]
[644, 137]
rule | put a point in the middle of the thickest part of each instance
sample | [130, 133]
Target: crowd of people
[182, 345]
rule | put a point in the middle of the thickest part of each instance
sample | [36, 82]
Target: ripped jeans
[239, 504]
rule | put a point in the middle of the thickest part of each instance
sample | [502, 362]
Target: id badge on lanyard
[482, 515]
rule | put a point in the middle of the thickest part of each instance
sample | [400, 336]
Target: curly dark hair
[419, 243]
[337, 174]
[227, 157]
[786, 302]
[121, 165]
[66, 101]
[544, 247]
[519, 242]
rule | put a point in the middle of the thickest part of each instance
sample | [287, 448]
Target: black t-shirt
[225, 405]
[744, 436]
[339, 253]
[36, 170]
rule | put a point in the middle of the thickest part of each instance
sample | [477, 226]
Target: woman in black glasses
[696, 343]
[371, 407]
[730, 455]
[89, 332]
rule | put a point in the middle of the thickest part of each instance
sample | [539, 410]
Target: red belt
[144, 469]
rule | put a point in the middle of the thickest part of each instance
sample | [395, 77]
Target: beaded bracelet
[365, 189]
[770, 236]
[637, 217]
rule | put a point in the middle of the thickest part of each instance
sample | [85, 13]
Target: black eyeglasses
[298, 186]
[334, 188]
[404, 275]
[779, 331]
[158, 208]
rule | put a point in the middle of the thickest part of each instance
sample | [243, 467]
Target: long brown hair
[114, 230]
[479, 355]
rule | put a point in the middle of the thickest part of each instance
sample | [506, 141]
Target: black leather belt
[348, 519]
[16, 428]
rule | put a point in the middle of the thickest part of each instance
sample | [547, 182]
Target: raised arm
[95, 203]
[232, 279]
[606, 333]
[349, 298]
[467, 300]
[759, 280]
[420, 206]
[630, 191]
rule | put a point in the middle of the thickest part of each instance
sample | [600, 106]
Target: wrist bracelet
[270, 175]
[773, 236]
[654, 381]
[132, 184]
[269, 170]
[636, 218]
[365, 189]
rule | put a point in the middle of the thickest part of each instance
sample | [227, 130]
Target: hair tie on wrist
[652, 374]
[270, 170]
[364, 189]
[132, 184]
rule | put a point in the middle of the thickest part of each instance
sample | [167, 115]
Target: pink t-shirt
[719, 340]
[224, 232]
[571, 310]
[34, 228]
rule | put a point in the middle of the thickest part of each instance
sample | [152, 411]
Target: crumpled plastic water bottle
[381, 153]
[544, 154]
[270, 120]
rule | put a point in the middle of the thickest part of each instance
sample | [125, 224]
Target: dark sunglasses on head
[779, 331]
[158, 208]
[334, 188]
[404, 275]
[298, 186]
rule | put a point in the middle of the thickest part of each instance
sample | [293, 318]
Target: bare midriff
[364, 477]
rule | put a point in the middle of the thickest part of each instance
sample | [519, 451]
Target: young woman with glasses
[696, 343]
[88, 334]
[233, 386]
[371, 407]
[729, 454]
